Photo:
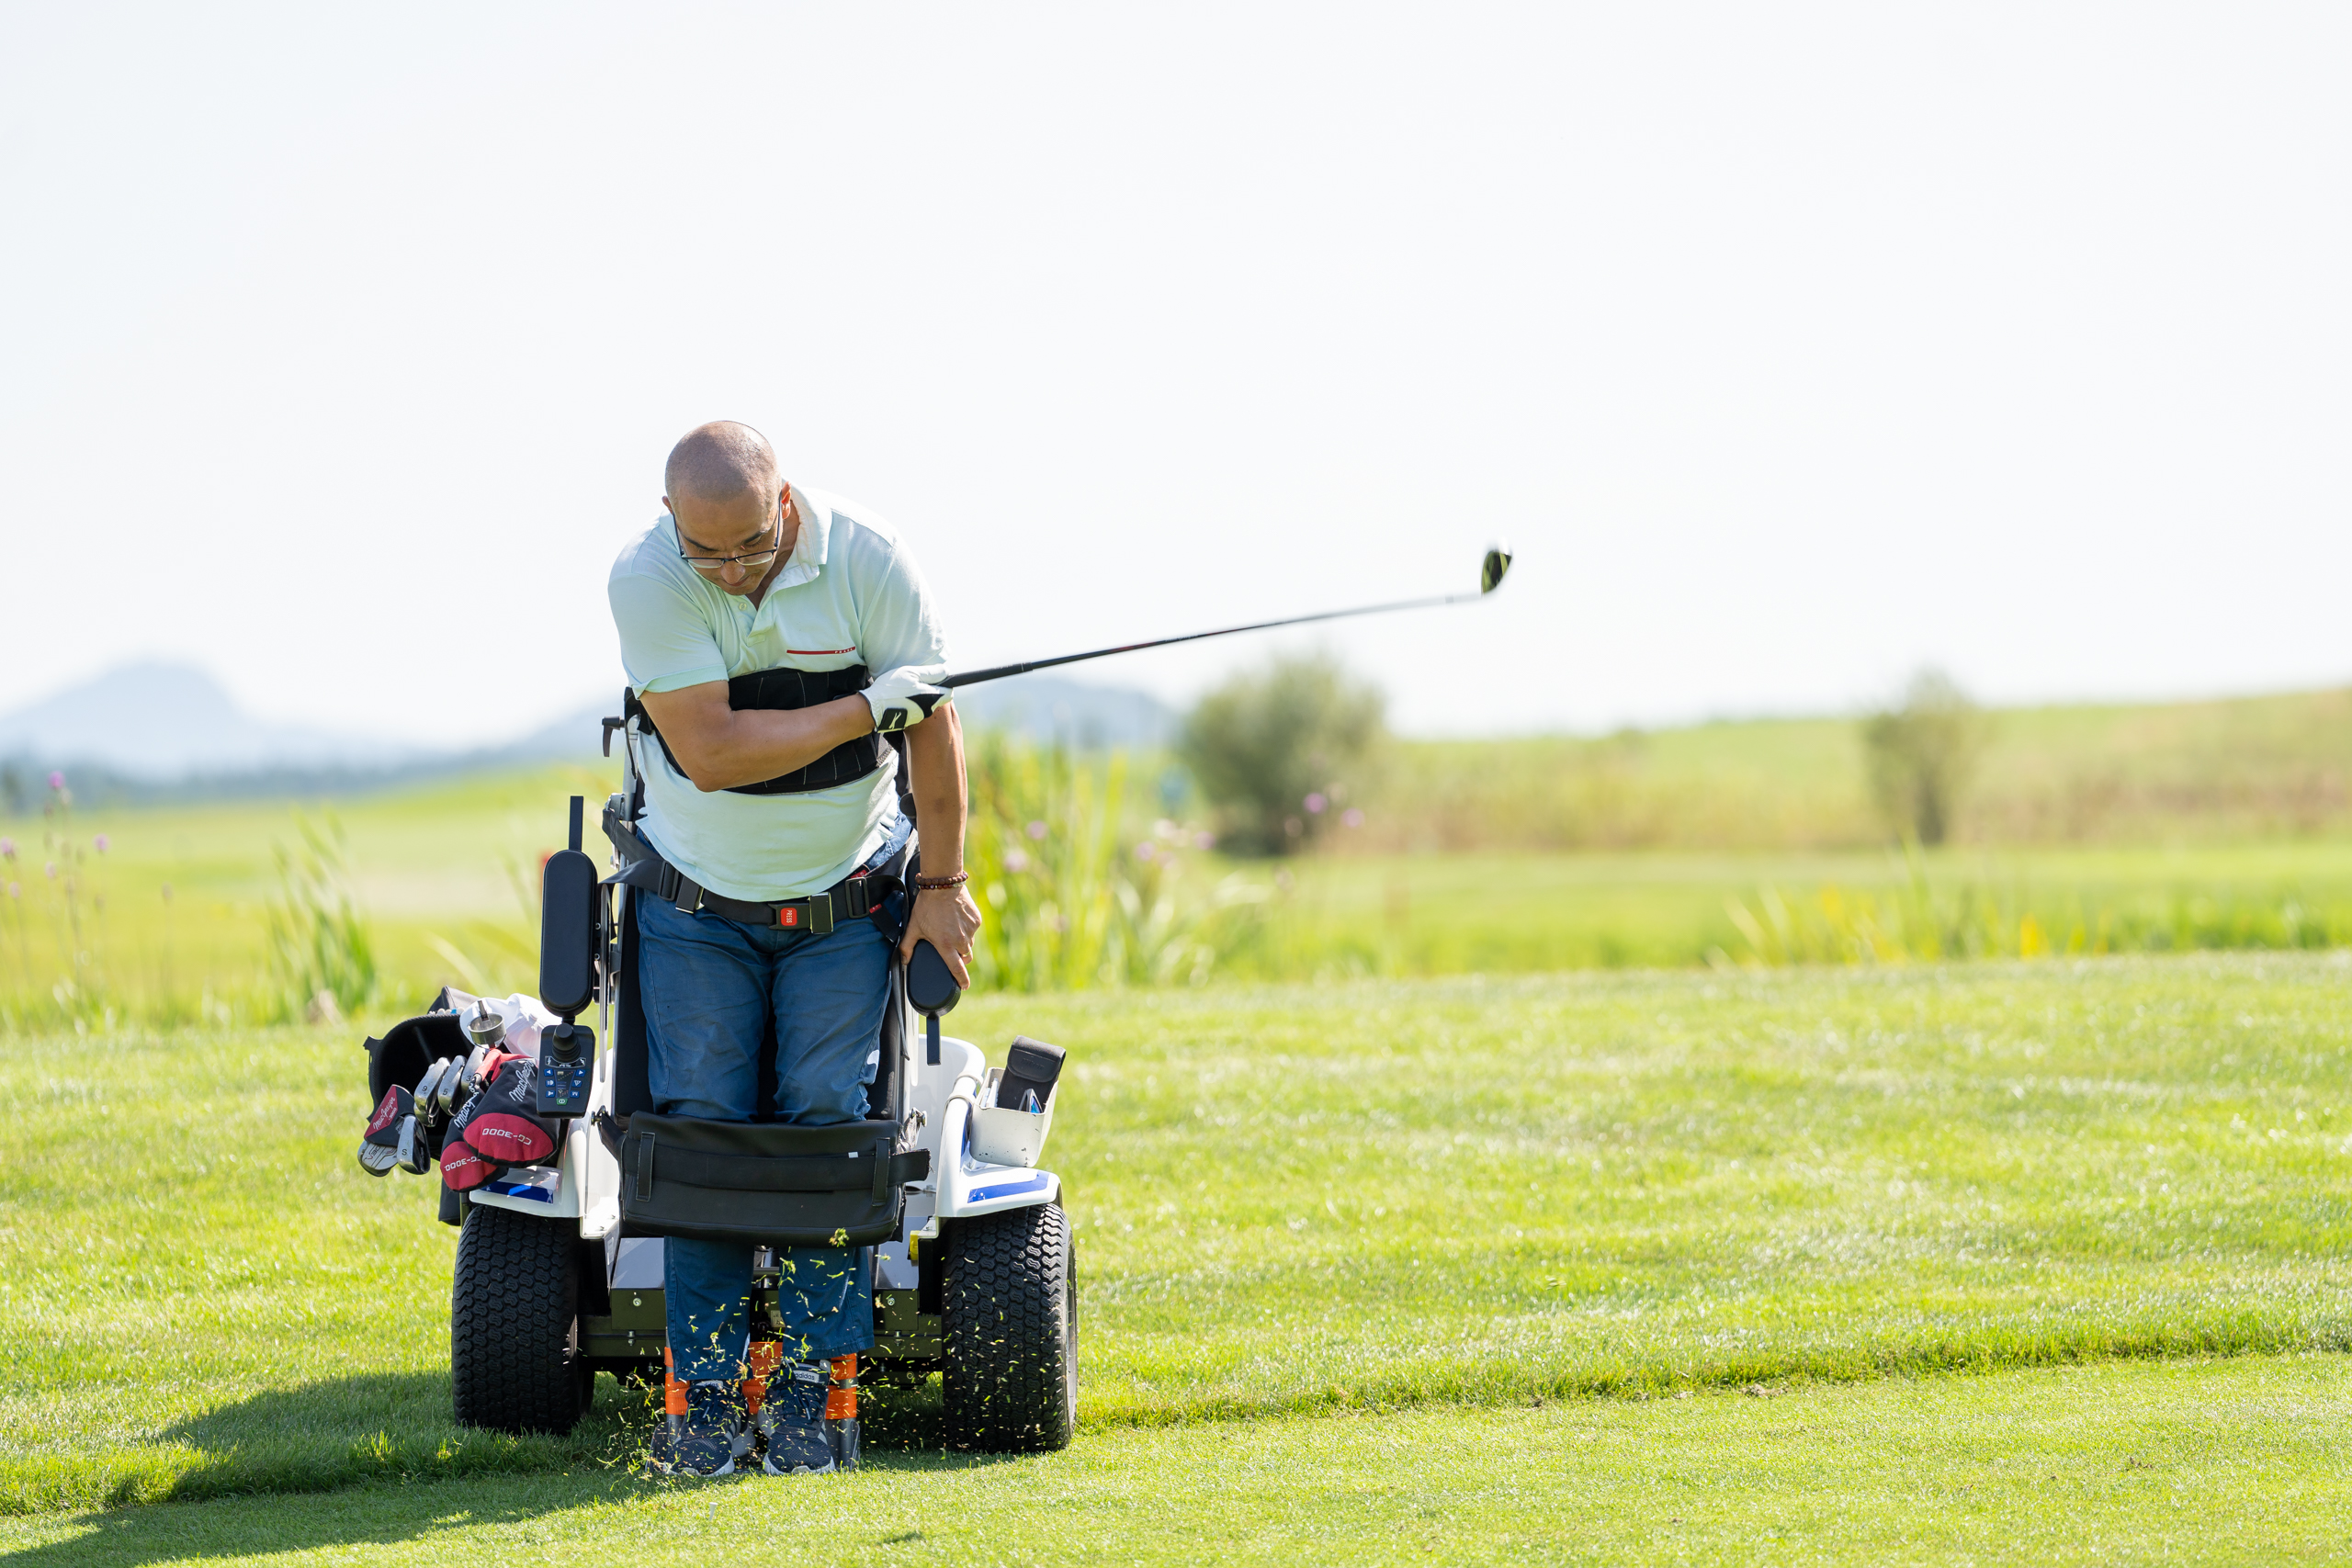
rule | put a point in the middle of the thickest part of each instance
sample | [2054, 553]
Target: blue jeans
[710, 988]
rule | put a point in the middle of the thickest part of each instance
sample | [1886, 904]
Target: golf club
[431, 1108]
[450, 1092]
[1490, 577]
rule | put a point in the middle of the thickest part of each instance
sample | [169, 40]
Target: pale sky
[1790, 347]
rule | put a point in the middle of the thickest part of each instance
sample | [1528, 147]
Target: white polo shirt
[848, 595]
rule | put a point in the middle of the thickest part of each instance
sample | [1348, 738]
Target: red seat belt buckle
[788, 916]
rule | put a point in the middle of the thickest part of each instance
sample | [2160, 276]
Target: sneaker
[705, 1440]
[792, 1414]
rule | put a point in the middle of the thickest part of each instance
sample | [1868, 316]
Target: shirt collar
[809, 550]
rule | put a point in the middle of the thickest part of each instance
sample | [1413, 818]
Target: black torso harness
[773, 689]
[859, 895]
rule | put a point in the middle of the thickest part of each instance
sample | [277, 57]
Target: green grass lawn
[1365, 1267]
[2232, 1461]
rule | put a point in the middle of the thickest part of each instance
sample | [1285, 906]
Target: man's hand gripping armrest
[945, 917]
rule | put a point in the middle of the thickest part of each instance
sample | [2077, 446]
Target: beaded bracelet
[935, 884]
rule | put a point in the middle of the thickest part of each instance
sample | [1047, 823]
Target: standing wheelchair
[939, 1192]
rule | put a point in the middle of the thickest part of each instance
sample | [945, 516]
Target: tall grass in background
[322, 963]
[1922, 919]
[1077, 888]
[1743, 844]
[2229, 771]
[56, 914]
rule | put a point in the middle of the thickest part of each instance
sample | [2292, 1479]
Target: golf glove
[904, 697]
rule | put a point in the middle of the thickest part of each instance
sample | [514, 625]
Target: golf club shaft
[975, 676]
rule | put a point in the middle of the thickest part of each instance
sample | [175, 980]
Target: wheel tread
[1005, 1383]
[513, 1357]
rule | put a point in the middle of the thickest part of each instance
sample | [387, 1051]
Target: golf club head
[1491, 570]
[415, 1153]
[376, 1159]
[427, 1089]
[445, 1088]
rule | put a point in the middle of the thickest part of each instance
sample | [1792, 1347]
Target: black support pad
[764, 1182]
[788, 689]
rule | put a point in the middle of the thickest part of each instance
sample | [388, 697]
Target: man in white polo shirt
[773, 815]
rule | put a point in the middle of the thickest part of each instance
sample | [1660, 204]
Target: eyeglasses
[754, 558]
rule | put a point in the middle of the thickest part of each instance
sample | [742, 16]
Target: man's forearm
[753, 744]
[935, 765]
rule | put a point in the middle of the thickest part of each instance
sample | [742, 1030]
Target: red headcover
[510, 1139]
[462, 1168]
[499, 1121]
[384, 1127]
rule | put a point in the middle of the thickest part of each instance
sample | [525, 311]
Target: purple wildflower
[1037, 831]
[101, 841]
[57, 781]
[1315, 803]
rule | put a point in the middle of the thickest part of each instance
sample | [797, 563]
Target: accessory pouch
[764, 1182]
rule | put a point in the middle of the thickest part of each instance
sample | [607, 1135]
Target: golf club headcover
[497, 1121]
[904, 697]
[462, 1167]
[384, 1127]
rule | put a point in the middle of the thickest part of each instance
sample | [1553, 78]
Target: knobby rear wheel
[1010, 1373]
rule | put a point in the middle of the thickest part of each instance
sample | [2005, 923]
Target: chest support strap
[775, 689]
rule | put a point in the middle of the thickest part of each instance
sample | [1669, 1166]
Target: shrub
[1920, 754]
[1278, 753]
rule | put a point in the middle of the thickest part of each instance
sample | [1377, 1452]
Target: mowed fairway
[1386, 1266]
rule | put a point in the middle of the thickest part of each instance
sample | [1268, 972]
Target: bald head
[722, 462]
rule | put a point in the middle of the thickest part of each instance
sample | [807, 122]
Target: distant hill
[1050, 708]
[159, 721]
[155, 732]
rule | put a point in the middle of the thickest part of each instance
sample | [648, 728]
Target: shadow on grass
[375, 1515]
[377, 1456]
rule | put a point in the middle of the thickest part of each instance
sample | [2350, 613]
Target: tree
[1277, 753]
[1921, 752]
